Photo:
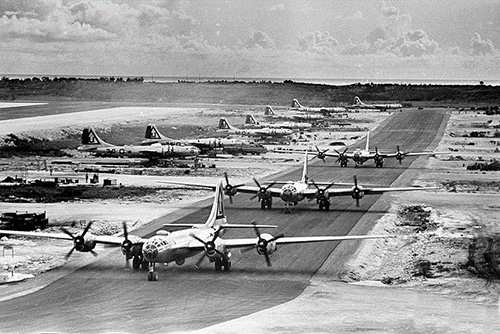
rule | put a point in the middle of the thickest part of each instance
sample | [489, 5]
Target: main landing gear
[222, 263]
[324, 205]
[379, 163]
[139, 262]
[266, 203]
[343, 163]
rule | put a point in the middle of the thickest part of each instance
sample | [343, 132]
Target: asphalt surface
[104, 297]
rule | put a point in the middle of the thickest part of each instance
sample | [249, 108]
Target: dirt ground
[456, 216]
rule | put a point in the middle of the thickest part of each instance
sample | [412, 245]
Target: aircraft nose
[150, 252]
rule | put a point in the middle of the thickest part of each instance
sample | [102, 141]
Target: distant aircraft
[252, 123]
[166, 247]
[297, 116]
[324, 110]
[360, 156]
[91, 143]
[383, 107]
[206, 145]
[293, 192]
[225, 127]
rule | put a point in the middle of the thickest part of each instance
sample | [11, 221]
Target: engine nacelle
[214, 251]
[265, 246]
[85, 243]
[230, 191]
[322, 195]
[357, 193]
[131, 247]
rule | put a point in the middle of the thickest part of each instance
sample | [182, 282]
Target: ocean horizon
[321, 81]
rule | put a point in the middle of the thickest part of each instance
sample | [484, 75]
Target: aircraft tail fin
[367, 147]
[296, 104]
[224, 125]
[357, 101]
[217, 216]
[304, 170]
[269, 111]
[250, 120]
[152, 132]
[90, 137]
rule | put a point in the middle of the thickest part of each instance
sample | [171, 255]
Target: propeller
[377, 156]
[262, 243]
[321, 154]
[321, 191]
[399, 155]
[262, 190]
[229, 189]
[79, 241]
[357, 192]
[210, 248]
[342, 156]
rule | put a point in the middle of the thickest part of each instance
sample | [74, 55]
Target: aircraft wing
[247, 242]
[106, 240]
[312, 193]
[409, 154]
[275, 192]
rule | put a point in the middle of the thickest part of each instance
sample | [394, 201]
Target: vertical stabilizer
[89, 137]
[357, 101]
[250, 120]
[367, 147]
[304, 171]
[152, 132]
[217, 215]
[224, 125]
[269, 111]
[296, 104]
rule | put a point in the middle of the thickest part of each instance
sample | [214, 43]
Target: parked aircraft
[297, 116]
[225, 127]
[360, 156]
[206, 145]
[252, 123]
[177, 246]
[91, 143]
[324, 110]
[383, 107]
[293, 192]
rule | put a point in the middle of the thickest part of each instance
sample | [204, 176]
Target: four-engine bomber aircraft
[323, 110]
[382, 107]
[252, 123]
[296, 116]
[166, 247]
[293, 192]
[360, 156]
[92, 144]
[205, 145]
[226, 128]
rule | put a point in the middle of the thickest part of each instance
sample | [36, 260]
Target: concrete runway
[104, 297]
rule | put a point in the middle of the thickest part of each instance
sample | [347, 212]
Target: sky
[339, 39]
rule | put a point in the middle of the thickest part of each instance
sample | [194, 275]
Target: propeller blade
[125, 232]
[357, 202]
[268, 260]
[226, 177]
[200, 260]
[87, 228]
[93, 253]
[68, 233]
[70, 252]
[197, 238]
[256, 182]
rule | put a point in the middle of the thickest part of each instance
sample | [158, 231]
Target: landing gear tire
[152, 277]
[226, 265]
[136, 262]
[218, 265]
[266, 203]
[343, 164]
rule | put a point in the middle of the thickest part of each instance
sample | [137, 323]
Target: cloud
[394, 36]
[318, 42]
[277, 7]
[260, 39]
[481, 46]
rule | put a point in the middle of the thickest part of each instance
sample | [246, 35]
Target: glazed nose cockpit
[152, 248]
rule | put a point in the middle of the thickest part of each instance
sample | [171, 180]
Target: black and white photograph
[245, 166]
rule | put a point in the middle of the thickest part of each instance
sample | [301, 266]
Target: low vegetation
[237, 92]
